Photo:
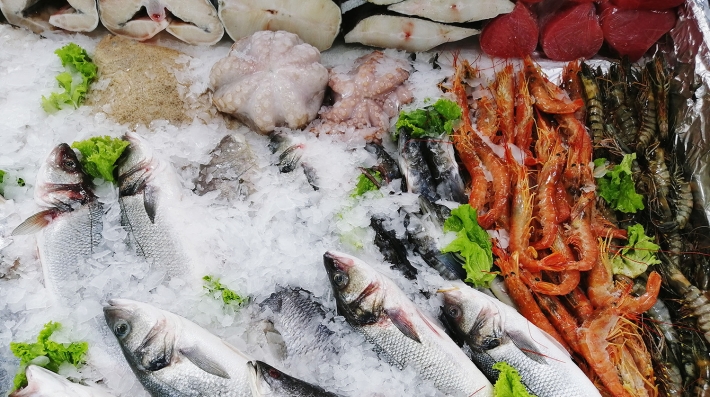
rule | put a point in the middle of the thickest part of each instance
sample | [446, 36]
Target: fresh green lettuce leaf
[509, 383]
[213, 285]
[432, 121]
[76, 60]
[637, 256]
[364, 184]
[56, 353]
[618, 189]
[472, 243]
[99, 155]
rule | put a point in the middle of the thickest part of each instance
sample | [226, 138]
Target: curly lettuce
[431, 121]
[509, 383]
[99, 155]
[637, 256]
[616, 186]
[473, 243]
[76, 60]
[215, 288]
[46, 353]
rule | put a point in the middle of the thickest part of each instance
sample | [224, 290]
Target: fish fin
[36, 222]
[202, 361]
[400, 320]
[149, 199]
[527, 346]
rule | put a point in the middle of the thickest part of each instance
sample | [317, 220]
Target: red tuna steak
[647, 4]
[572, 32]
[633, 32]
[511, 35]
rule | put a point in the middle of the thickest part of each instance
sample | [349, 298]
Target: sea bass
[172, 356]
[45, 383]
[497, 332]
[192, 21]
[148, 194]
[70, 229]
[374, 305]
[231, 170]
[269, 381]
[39, 16]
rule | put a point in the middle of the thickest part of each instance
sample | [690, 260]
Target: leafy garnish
[472, 243]
[99, 155]
[431, 121]
[637, 256]
[509, 383]
[364, 184]
[213, 286]
[78, 61]
[618, 189]
[56, 353]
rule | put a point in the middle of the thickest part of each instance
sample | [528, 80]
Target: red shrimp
[498, 209]
[523, 114]
[503, 89]
[572, 84]
[548, 97]
[569, 281]
[563, 321]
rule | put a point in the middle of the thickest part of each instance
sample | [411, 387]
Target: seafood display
[461, 225]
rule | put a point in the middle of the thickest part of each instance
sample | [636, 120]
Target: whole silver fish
[44, 383]
[374, 305]
[172, 356]
[148, 193]
[497, 332]
[70, 229]
[269, 381]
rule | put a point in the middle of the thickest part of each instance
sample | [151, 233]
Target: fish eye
[274, 373]
[121, 329]
[341, 279]
[453, 311]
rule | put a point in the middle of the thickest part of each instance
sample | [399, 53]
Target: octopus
[268, 80]
[366, 97]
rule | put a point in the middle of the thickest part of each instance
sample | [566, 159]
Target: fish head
[145, 333]
[135, 166]
[474, 316]
[267, 380]
[356, 287]
[61, 180]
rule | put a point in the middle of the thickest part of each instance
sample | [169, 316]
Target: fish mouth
[335, 261]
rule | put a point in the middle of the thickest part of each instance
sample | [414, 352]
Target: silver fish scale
[184, 379]
[153, 241]
[69, 238]
[431, 359]
[545, 380]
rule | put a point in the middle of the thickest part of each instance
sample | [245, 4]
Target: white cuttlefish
[39, 16]
[192, 21]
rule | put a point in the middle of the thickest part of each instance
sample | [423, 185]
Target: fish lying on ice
[45, 383]
[70, 229]
[148, 192]
[453, 11]
[172, 356]
[298, 318]
[374, 305]
[230, 169]
[269, 381]
[38, 16]
[497, 332]
[439, 153]
[192, 21]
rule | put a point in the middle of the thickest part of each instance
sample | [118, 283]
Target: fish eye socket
[341, 279]
[121, 329]
[274, 373]
[453, 311]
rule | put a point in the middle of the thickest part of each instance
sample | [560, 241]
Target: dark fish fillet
[439, 154]
[392, 248]
[414, 167]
